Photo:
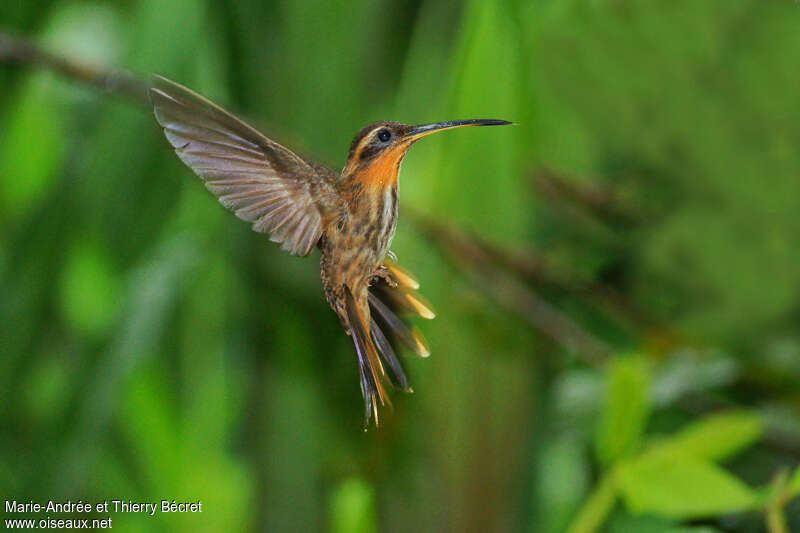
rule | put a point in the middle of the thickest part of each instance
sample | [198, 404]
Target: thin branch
[590, 200]
[542, 273]
[17, 50]
[469, 255]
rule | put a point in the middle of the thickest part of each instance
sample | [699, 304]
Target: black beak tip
[494, 122]
[416, 132]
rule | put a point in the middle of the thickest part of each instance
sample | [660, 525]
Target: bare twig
[592, 200]
[14, 49]
[471, 256]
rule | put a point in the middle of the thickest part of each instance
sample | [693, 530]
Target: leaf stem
[597, 506]
[776, 521]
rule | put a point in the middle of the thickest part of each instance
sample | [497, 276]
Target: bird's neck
[367, 193]
[371, 200]
[380, 172]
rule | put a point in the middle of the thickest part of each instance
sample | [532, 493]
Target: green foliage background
[153, 347]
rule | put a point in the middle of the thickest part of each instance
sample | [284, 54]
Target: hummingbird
[349, 215]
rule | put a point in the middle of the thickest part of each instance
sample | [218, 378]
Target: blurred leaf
[794, 483]
[690, 371]
[743, 289]
[46, 388]
[152, 289]
[150, 426]
[207, 390]
[577, 398]
[293, 450]
[32, 140]
[89, 288]
[85, 30]
[224, 484]
[622, 522]
[718, 436]
[352, 508]
[158, 44]
[626, 408]
[175, 463]
[31, 145]
[563, 479]
[681, 487]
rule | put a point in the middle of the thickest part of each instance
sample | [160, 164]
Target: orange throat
[383, 171]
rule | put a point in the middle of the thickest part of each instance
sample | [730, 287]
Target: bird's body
[354, 245]
[350, 217]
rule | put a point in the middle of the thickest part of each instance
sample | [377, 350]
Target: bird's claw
[384, 274]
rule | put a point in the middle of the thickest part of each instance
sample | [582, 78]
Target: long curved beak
[417, 132]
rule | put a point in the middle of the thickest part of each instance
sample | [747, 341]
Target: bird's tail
[388, 297]
[370, 367]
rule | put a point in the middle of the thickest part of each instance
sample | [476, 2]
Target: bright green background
[153, 347]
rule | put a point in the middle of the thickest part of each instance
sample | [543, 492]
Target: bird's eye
[384, 135]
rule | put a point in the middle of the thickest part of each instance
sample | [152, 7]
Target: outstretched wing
[261, 181]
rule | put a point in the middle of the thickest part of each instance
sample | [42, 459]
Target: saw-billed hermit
[350, 216]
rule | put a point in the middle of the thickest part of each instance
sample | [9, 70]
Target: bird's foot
[383, 273]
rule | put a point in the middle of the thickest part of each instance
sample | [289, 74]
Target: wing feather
[261, 181]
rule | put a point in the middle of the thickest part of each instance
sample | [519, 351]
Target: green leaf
[352, 508]
[90, 31]
[794, 483]
[679, 486]
[626, 409]
[89, 289]
[718, 436]
[47, 388]
[622, 522]
[32, 141]
[31, 146]
[562, 482]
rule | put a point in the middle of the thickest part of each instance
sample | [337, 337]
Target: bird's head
[378, 149]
